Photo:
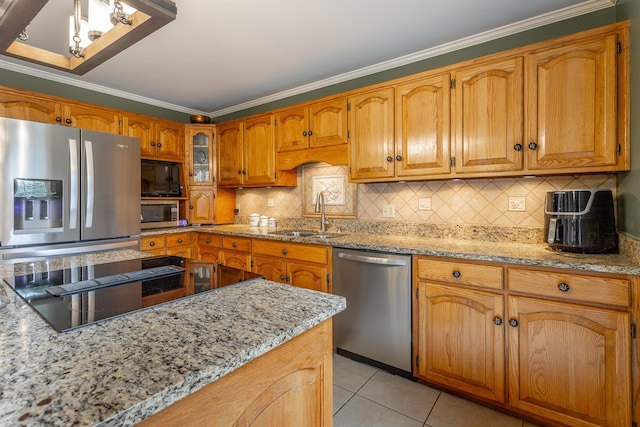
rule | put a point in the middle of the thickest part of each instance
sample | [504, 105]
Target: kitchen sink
[295, 233]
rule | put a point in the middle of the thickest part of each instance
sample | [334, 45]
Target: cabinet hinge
[327, 278]
[633, 331]
[417, 361]
[251, 263]
[348, 134]
[276, 175]
[634, 424]
[416, 293]
[619, 149]
[120, 123]
[348, 106]
[275, 122]
[452, 162]
[452, 84]
[619, 48]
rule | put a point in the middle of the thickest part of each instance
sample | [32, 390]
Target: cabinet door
[292, 130]
[461, 339]
[372, 135]
[235, 259]
[488, 117]
[141, 128]
[260, 154]
[570, 363]
[328, 123]
[307, 276]
[572, 106]
[230, 153]
[271, 268]
[84, 117]
[199, 142]
[169, 139]
[201, 205]
[423, 112]
[21, 106]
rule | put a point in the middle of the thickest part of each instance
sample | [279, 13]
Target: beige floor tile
[400, 394]
[359, 412]
[340, 397]
[350, 375]
[451, 411]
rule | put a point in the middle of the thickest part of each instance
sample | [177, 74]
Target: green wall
[569, 26]
[26, 82]
[629, 182]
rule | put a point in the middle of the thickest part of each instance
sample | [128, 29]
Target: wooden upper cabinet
[371, 122]
[81, 116]
[423, 110]
[572, 110]
[18, 105]
[259, 151]
[488, 116]
[159, 139]
[319, 125]
[199, 140]
[230, 153]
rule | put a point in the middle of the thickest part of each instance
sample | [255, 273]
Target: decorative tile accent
[340, 195]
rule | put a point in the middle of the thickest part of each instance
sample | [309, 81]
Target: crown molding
[487, 36]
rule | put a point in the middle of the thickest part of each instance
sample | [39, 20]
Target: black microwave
[159, 179]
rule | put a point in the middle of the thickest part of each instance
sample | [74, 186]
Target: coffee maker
[580, 221]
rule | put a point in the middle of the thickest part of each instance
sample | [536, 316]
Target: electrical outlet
[424, 203]
[516, 204]
[271, 202]
[388, 211]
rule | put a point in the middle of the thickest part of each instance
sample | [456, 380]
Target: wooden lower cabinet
[302, 265]
[155, 244]
[208, 247]
[567, 335]
[290, 385]
[178, 244]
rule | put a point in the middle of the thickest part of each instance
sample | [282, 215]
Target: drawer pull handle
[456, 274]
[152, 243]
[513, 323]
[563, 287]
[179, 240]
[234, 245]
[284, 252]
[497, 321]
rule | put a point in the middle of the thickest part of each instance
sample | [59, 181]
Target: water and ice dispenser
[37, 205]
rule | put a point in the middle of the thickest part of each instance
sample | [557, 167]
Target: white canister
[254, 219]
[264, 221]
[272, 222]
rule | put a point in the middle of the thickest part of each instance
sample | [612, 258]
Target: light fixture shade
[98, 17]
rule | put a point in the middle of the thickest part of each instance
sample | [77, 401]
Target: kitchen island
[123, 370]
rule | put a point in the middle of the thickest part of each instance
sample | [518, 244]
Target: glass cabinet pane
[200, 158]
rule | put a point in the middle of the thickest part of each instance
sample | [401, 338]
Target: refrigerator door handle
[88, 145]
[73, 183]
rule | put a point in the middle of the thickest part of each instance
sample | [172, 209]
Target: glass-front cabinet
[201, 141]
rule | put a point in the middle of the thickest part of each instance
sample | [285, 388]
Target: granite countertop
[122, 370]
[502, 252]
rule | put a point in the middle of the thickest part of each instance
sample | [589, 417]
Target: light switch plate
[388, 211]
[517, 204]
[424, 203]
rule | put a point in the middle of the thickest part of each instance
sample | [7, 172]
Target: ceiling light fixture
[89, 45]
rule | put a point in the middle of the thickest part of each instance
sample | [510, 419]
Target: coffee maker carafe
[580, 221]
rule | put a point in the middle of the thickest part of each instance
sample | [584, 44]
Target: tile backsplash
[475, 202]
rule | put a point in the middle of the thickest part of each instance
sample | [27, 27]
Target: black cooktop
[79, 296]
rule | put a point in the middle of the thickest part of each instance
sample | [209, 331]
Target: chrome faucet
[320, 208]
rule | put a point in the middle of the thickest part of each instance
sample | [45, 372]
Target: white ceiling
[220, 56]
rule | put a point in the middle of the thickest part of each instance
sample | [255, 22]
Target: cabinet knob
[310, 132]
[287, 279]
[513, 323]
[234, 245]
[533, 146]
[158, 144]
[284, 252]
[399, 158]
[207, 241]
[58, 119]
[190, 173]
[152, 243]
[304, 133]
[239, 172]
[179, 240]
[389, 159]
[497, 321]
[282, 277]
[563, 287]
[517, 147]
[190, 206]
[68, 121]
[153, 144]
[244, 172]
[456, 274]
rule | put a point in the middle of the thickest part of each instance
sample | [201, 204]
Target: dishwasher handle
[372, 259]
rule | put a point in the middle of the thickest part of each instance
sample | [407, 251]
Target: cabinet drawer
[152, 242]
[209, 240]
[236, 243]
[570, 286]
[460, 272]
[178, 239]
[300, 252]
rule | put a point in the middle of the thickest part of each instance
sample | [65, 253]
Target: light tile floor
[366, 396]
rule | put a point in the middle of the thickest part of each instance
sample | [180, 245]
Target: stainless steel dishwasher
[376, 326]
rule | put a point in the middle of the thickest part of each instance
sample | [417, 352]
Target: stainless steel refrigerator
[66, 190]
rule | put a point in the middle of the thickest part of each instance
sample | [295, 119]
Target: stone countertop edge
[122, 370]
[525, 254]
